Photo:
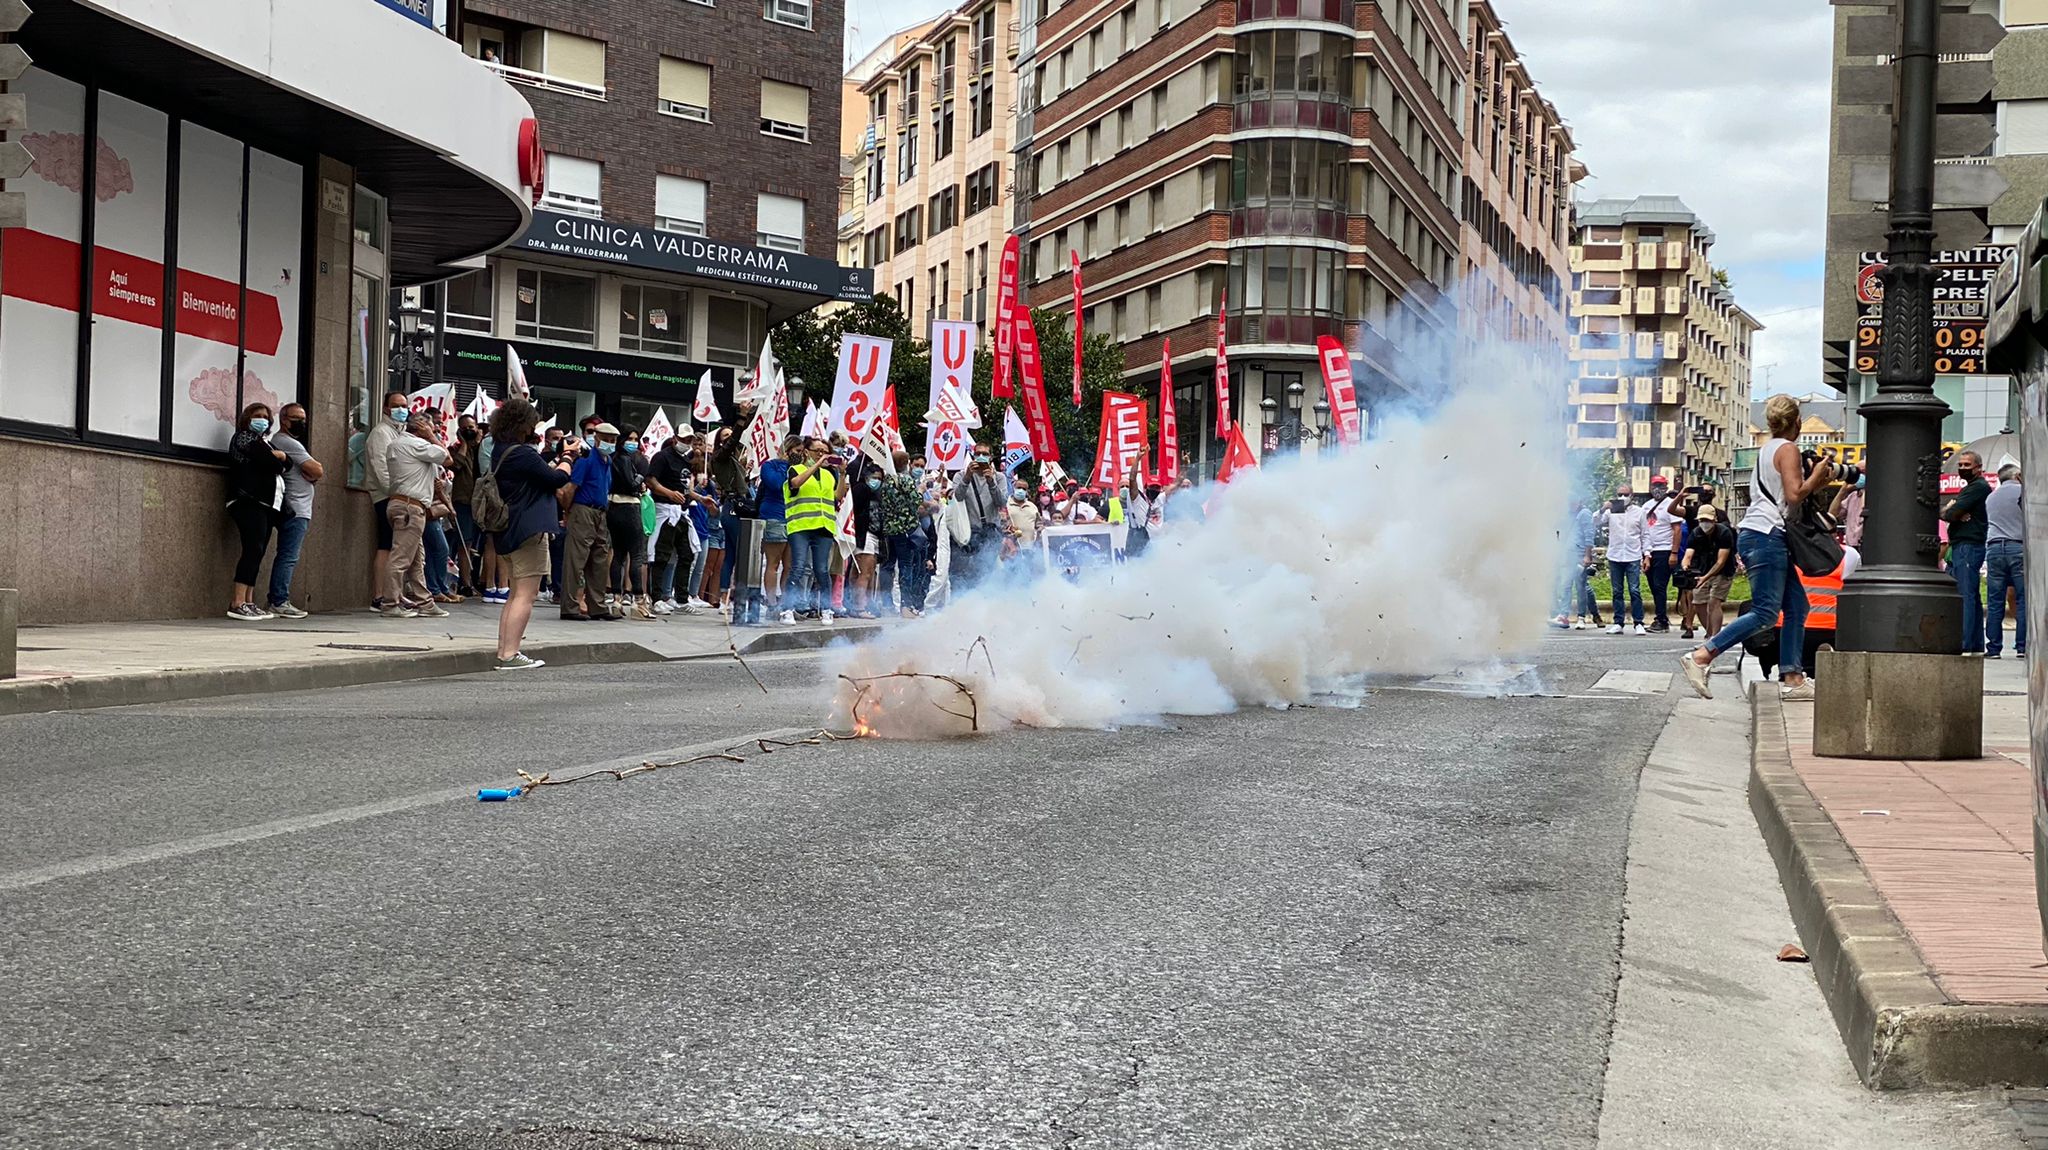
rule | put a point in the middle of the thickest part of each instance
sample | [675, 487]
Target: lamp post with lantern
[1285, 430]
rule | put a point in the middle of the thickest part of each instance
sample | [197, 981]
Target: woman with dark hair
[623, 519]
[533, 509]
[255, 495]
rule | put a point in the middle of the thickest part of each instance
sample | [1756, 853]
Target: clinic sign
[420, 11]
[646, 249]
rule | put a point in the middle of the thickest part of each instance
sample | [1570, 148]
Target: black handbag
[1810, 537]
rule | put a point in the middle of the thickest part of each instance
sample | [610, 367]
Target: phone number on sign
[1958, 346]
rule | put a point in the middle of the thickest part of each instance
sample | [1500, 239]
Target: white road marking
[1635, 682]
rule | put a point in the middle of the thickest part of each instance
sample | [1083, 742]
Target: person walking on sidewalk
[2005, 560]
[1660, 540]
[1625, 548]
[586, 558]
[1968, 532]
[907, 545]
[255, 497]
[377, 477]
[301, 472]
[413, 464]
[1776, 487]
[533, 510]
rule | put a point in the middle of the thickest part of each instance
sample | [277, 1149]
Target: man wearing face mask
[906, 548]
[1968, 530]
[1625, 550]
[811, 508]
[301, 472]
[980, 492]
[414, 465]
[377, 476]
[587, 556]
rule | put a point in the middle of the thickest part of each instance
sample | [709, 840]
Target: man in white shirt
[1625, 548]
[1660, 538]
[389, 426]
[412, 466]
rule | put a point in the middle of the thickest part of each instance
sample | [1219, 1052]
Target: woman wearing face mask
[772, 509]
[628, 532]
[905, 546]
[255, 496]
[862, 594]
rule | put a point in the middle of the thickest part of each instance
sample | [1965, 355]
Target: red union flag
[1337, 382]
[1222, 368]
[858, 393]
[1121, 440]
[1169, 419]
[1236, 457]
[1037, 412]
[1006, 302]
[1080, 335]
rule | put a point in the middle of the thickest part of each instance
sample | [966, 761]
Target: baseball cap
[1707, 512]
[1660, 481]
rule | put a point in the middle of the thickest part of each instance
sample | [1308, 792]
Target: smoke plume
[1435, 544]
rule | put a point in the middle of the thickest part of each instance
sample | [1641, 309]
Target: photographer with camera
[1968, 535]
[811, 507]
[1707, 570]
[1776, 489]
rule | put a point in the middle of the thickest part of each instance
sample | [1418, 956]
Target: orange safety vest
[1823, 595]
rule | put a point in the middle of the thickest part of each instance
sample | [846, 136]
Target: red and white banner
[1122, 439]
[953, 373]
[948, 445]
[858, 392]
[1169, 420]
[515, 375]
[1237, 456]
[889, 412]
[1080, 328]
[1006, 302]
[1222, 366]
[771, 423]
[1337, 383]
[1037, 411]
[879, 446]
[44, 269]
[705, 410]
[482, 405]
[659, 431]
[438, 398]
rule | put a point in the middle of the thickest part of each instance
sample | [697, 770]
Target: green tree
[1596, 474]
[808, 346]
[1075, 429]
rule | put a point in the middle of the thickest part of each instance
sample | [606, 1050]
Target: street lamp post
[1899, 601]
[1285, 430]
[407, 354]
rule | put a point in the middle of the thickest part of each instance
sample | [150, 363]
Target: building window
[470, 301]
[556, 306]
[944, 210]
[574, 185]
[779, 223]
[909, 230]
[655, 320]
[737, 329]
[942, 131]
[685, 89]
[878, 164]
[981, 188]
[877, 247]
[795, 13]
[785, 110]
[679, 204]
[545, 58]
[906, 156]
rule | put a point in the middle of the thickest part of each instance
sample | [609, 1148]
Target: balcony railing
[1290, 110]
[534, 79]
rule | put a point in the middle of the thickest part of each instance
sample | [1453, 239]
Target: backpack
[487, 504]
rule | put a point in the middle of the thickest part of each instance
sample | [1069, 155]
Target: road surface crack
[1064, 1134]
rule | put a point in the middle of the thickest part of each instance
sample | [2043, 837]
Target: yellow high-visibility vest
[1116, 510]
[814, 506]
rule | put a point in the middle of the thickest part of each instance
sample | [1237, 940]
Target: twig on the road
[734, 649]
[864, 683]
[531, 782]
[980, 641]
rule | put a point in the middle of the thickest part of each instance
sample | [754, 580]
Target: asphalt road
[274, 923]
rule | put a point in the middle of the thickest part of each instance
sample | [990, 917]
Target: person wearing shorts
[775, 534]
[714, 555]
[1709, 561]
[533, 507]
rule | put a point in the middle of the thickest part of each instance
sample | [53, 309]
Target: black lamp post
[1285, 431]
[408, 359]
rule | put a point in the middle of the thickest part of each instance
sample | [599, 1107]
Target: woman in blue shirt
[775, 530]
[532, 493]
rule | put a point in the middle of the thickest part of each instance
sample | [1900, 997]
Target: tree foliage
[1596, 474]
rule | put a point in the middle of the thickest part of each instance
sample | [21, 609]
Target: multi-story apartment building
[2018, 109]
[1302, 157]
[691, 200]
[1662, 348]
[936, 159]
[858, 136]
[1515, 222]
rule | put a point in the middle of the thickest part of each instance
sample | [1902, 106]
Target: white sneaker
[545, 596]
[431, 611]
[686, 609]
[1642, 630]
[699, 604]
[1582, 625]
[248, 613]
[399, 612]
[287, 611]
[788, 618]
[1614, 629]
[1803, 693]
[825, 617]
[664, 607]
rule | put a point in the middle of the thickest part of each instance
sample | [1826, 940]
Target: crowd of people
[604, 527]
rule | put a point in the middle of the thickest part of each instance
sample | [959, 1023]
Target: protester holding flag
[624, 522]
[1137, 511]
[668, 480]
[729, 476]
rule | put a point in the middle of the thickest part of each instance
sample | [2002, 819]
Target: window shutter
[2025, 130]
[686, 82]
[788, 103]
[570, 176]
[780, 216]
[678, 198]
[575, 58]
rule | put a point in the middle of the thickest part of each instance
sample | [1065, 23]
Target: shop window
[779, 222]
[470, 301]
[736, 330]
[685, 89]
[785, 110]
[574, 185]
[39, 323]
[556, 306]
[655, 320]
[679, 204]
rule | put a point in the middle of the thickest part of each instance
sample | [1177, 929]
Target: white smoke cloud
[1434, 545]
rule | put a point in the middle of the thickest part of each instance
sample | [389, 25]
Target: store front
[213, 215]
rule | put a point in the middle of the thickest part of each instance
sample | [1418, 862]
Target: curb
[38, 695]
[1901, 1029]
[809, 638]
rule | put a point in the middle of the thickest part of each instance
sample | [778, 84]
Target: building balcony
[1304, 220]
[1596, 435]
[1596, 391]
[1249, 326]
[1287, 110]
[533, 79]
[1334, 11]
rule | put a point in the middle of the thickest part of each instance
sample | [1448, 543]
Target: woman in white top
[1776, 487]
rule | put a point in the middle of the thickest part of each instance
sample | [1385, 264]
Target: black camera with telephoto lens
[1845, 473]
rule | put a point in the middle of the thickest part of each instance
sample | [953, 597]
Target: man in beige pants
[413, 462]
[587, 553]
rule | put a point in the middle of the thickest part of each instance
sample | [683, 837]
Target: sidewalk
[1912, 885]
[71, 666]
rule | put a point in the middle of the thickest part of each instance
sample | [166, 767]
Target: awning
[433, 131]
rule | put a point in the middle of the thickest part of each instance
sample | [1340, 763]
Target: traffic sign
[1955, 136]
[13, 14]
[15, 160]
[1956, 82]
[1864, 231]
[13, 61]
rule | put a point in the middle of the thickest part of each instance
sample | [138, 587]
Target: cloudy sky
[1721, 102]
